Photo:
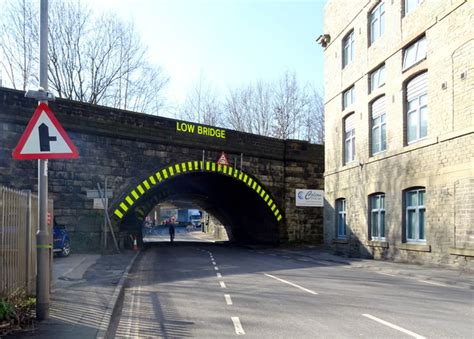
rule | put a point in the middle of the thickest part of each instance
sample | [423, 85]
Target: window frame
[341, 202]
[414, 46]
[348, 93]
[348, 49]
[419, 108]
[381, 126]
[376, 19]
[406, 10]
[417, 208]
[378, 71]
[379, 211]
[349, 139]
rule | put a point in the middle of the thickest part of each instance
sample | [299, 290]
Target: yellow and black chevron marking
[193, 166]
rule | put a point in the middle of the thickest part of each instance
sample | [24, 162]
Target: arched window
[416, 108]
[341, 225]
[377, 216]
[348, 49]
[378, 126]
[349, 138]
[415, 214]
[377, 22]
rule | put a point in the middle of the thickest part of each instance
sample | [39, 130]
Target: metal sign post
[43, 237]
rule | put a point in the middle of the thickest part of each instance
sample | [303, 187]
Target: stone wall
[126, 147]
[442, 162]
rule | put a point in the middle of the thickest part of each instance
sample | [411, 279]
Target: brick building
[399, 151]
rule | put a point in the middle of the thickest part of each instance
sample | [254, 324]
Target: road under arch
[235, 198]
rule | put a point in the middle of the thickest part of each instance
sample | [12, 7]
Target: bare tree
[19, 44]
[202, 105]
[99, 60]
[249, 109]
[290, 102]
[312, 126]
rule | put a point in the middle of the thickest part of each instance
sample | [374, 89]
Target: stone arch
[161, 176]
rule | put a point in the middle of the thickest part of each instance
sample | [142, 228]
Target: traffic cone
[135, 247]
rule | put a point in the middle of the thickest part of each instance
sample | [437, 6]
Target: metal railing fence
[18, 220]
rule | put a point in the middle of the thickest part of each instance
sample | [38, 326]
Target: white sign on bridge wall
[311, 198]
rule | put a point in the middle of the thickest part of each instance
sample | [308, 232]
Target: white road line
[222, 284]
[216, 268]
[433, 283]
[228, 300]
[290, 283]
[214, 263]
[238, 326]
[390, 275]
[401, 329]
[219, 275]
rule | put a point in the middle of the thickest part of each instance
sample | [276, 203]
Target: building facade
[399, 117]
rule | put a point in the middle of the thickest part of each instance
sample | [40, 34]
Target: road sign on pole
[44, 138]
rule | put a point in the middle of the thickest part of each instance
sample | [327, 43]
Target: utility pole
[43, 238]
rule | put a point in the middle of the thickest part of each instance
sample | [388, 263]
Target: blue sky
[228, 42]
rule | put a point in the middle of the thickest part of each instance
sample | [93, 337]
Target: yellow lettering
[201, 130]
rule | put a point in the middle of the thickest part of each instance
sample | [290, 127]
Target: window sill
[377, 243]
[340, 241]
[462, 251]
[415, 247]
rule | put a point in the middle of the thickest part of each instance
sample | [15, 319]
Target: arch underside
[235, 198]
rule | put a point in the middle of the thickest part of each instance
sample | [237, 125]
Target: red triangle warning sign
[223, 159]
[44, 138]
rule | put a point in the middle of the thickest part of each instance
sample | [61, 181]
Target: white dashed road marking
[398, 328]
[222, 284]
[219, 275]
[292, 284]
[238, 326]
[216, 268]
[228, 300]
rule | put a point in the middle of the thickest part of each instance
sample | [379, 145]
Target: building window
[377, 22]
[410, 5]
[377, 216]
[417, 108]
[377, 78]
[415, 215]
[341, 225]
[348, 98]
[348, 49]
[414, 53]
[349, 138]
[378, 136]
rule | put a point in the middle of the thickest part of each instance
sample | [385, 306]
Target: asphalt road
[191, 289]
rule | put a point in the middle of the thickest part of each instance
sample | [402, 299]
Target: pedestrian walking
[172, 231]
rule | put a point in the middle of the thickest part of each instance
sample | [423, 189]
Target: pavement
[85, 291]
[436, 275]
[87, 288]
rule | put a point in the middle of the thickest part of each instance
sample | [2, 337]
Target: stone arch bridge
[148, 159]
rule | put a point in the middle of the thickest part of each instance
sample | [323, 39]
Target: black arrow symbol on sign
[45, 138]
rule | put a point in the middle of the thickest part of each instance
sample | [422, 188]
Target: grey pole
[43, 242]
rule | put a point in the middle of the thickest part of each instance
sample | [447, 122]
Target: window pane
[421, 224]
[412, 126]
[374, 223]
[382, 224]
[382, 76]
[353, 149]
[423, 122]
[409, 57]
[421, 50]
[411, 222]
[383, 141]
[421, 198]
[412, 198]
